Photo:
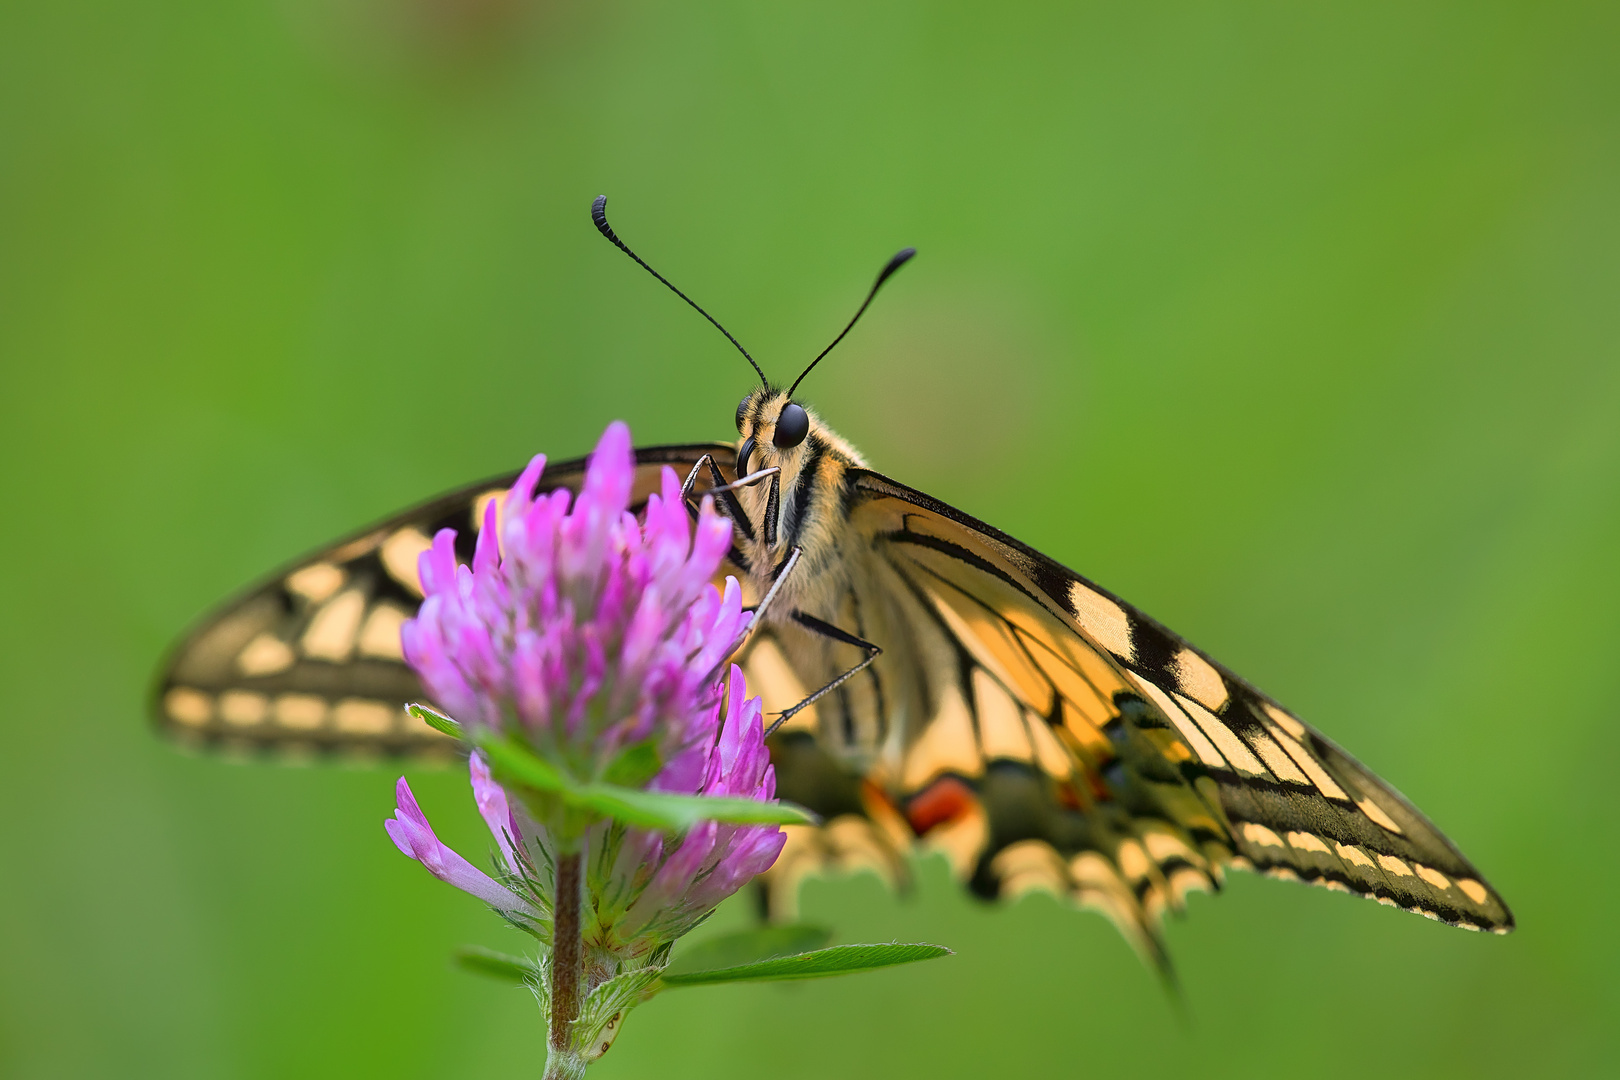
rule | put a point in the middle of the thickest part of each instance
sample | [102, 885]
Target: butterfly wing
[1071, 743]
[308, 661]
[1077, 746]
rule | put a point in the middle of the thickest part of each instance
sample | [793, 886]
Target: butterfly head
[772, 423]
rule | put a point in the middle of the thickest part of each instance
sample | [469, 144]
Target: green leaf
[749, 947]
[435, 720]
[837, 960]
[482, 961]
[513, 761]
[678, 813]
[635, 765]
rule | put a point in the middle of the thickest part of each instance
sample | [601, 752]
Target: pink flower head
[643, 888]
[577, 626]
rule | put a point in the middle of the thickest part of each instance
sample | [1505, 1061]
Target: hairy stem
[567, 961]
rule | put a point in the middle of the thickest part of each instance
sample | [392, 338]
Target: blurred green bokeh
[1295, 324]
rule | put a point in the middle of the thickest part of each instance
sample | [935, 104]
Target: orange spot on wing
[946, 799]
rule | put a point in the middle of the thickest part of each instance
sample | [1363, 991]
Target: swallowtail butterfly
[938, 685]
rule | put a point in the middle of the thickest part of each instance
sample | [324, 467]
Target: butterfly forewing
[1111, 762]
[309, 661]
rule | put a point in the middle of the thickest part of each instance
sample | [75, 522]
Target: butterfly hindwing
[1170, 766]
[309, 660]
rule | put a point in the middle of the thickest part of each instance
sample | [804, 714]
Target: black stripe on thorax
[804, 488]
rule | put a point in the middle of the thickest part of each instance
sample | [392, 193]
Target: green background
[1295, 324]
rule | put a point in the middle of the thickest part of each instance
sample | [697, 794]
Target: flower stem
[567, 963]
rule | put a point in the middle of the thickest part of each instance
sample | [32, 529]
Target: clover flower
[583, 652]
[581, 628]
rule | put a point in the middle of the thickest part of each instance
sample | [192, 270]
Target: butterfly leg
[727, 492]
[764, 605]
[723, 488]
[827, 630]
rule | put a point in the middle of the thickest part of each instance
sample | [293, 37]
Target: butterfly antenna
[599, 215]
[900, 259]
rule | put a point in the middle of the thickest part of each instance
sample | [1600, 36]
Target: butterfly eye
[791, 426]
[742, 410]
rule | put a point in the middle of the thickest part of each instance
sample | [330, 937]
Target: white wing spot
[355, 716]
[243, 708]
[265, 655]
[332, 631]
[1199, 680]
[1259, 834]
[480, 506]
[1432, 876]
[1164, 846]
[1133, 861]
[399, 556]
[1376, 812]
[1284, 721]
[1104, 621]
[187, 706]
[301, 712]
[316, 581]
[1394, 866]
[1030, 866]
[1354, 856]
[380, 634]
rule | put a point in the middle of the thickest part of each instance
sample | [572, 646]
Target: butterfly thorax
[810, 508]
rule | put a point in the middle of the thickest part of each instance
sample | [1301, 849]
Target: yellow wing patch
[308, 663]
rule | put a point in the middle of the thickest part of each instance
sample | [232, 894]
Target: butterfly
[933, 682]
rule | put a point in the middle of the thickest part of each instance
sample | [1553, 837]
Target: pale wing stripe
[1200, 743]
[1231, 747]
[308, 662]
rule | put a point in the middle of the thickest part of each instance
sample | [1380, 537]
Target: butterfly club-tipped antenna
[900, 259]
[599, 216]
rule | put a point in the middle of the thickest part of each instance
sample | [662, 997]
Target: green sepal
[435, 720]
[494, 965]
[745, 947]
[512, 761]
[817, 964]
